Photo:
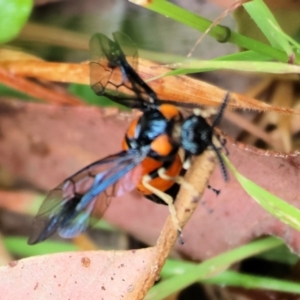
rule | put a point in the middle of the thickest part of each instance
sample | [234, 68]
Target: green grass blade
[9, 92]
[210, 268]
[177, 61]
[168, 58]
[264, 19]
[220, 33]
[285, 212]
[196, 66]
[231, 278]
[288, 38]
[88, 96]
[248, 55]
[18, 246]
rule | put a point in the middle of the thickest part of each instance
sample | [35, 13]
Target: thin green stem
[220, 33]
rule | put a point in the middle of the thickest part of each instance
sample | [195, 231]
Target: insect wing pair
[69, 207]
[112, 57]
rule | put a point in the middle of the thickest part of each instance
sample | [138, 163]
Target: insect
[150, 160]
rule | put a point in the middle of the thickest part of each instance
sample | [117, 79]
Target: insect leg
[217, 192]
[178, 179]
[164, 197]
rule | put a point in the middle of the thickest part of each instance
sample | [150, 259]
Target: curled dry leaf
[178, 88]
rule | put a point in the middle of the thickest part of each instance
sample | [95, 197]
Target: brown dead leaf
[185, 205]
[25, 127]
[44, 144]
[80, 275]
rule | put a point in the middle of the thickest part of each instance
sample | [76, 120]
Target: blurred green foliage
[13, 16]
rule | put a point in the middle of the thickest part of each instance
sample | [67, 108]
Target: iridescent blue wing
[113, 71]
[68, 207]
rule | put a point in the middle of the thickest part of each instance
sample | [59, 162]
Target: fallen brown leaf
[44, 144]
[80, 275]
[185, 205]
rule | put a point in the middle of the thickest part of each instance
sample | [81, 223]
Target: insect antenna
[216, 121]
[221, 162]
[218, 118]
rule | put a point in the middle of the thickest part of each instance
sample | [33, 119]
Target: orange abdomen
[149, 165]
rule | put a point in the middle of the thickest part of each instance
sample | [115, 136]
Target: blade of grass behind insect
[168, 58]
[86, 93]
[288, 38]
[9, 92]
[249, 55]
[210, 267]
[280, 209]
[220, 33]
[232, 278]
[264, 19]
[196, 66]
[18, 246]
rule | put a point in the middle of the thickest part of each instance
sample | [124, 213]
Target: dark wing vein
[120, 55]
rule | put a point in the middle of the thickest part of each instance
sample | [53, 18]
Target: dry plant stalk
[36, 90]
[181, 89]
[186, 203]
[223, 15]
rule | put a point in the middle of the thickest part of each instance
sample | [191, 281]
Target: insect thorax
[144, 131]
[196, 135]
